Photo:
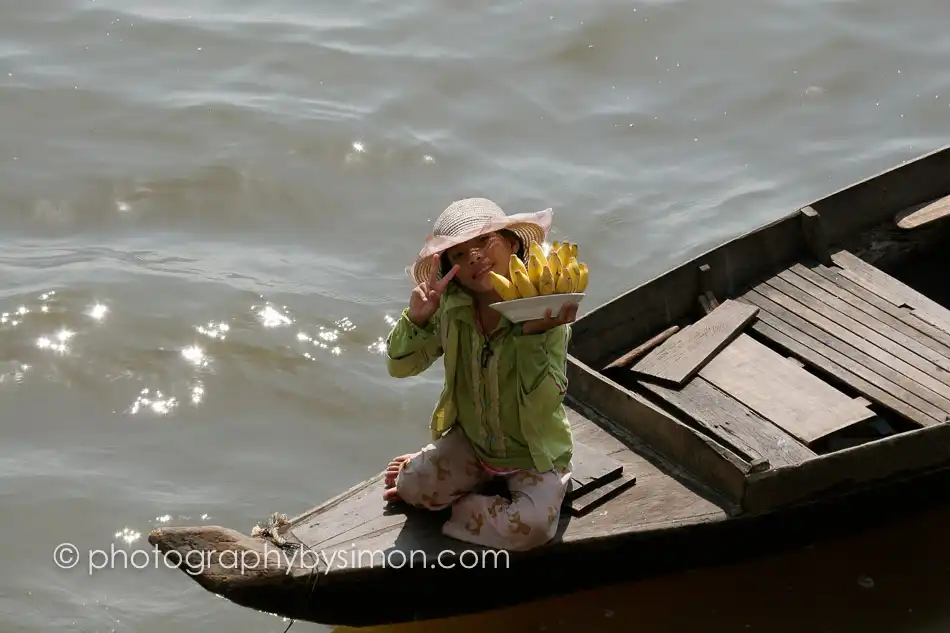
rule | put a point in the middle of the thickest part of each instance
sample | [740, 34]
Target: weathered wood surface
[835, 329]
[918, 216]
[904, 453]
[683, 355]
[733, 423]
[802, 404]
[360, 523]
[592, 468]
[836, 359]
[872, 335]
[643, 348]
[879, 323]
[592, 498]
[815, 236]
[707, 461]
[905, 315]
[891, 289]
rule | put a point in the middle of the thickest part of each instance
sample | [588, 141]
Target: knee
[531, 526]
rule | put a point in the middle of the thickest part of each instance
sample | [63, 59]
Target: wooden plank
[815, 235]
[596, 497]
[879, 281]
[780, 391]
[733, 423]
[684, 354]
[643, 348]
[707, 299]
[814, 286]
[682, 447]
[862, 330]
[831, 356]
[936, 338]
[792, 300]
[904, 453]
[591, 468]
[932, 211]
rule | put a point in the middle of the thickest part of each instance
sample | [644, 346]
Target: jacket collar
[458, 304]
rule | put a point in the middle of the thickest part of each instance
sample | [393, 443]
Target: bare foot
[392, 471]
[391, 495]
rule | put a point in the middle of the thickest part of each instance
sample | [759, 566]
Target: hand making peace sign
[425, 298]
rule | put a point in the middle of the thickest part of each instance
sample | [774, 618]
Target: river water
[206, 209]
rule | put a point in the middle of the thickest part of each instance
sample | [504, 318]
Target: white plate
[520, 310]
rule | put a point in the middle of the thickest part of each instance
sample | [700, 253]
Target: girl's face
[476, 257]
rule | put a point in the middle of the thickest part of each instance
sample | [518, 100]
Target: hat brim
[529, 227]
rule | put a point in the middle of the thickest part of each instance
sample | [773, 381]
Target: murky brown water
[205, 210]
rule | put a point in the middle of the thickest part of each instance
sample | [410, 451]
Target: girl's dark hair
[445, 266]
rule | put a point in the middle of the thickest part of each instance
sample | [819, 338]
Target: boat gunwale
[839, 224]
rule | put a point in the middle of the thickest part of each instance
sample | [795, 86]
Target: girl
[500, 413]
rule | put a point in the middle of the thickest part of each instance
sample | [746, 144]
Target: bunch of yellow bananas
[558, 272]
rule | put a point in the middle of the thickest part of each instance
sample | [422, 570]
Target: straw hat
[464, 219]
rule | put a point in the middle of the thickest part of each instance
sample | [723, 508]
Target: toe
[391, 495]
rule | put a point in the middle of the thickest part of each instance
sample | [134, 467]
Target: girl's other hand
[425, 298]
[567, 315]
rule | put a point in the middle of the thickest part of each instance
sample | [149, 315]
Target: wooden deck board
[359, 524]
[592, 467]
[685, 353]
[892, 289]
[822, 290]
[897, 318]
[821, 350]
[781, 391]
[905, 315]
[938, 389]
[924, 371]
[734, 424]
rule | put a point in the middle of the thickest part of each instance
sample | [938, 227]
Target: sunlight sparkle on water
[98, 311]
[270, 317]
[214, 330]
[195, 355]
[159, 405]
[197, 393]
[44, 342]
[128, 535]
[379, 347]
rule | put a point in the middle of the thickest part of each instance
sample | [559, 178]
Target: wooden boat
[786, 386]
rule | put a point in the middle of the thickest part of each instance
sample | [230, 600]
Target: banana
[563, 284]
[574, 277]
[536, 249]
[582, 285]
[503, 287]
[573, 250]
[523, 284]
[575, 266]
[534, 269]
[564, 252]
[546, 284]
[554, 262]
[515, 264]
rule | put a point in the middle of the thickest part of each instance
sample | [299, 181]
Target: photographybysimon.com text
[291, 560]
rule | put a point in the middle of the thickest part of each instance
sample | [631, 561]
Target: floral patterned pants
[445, 474]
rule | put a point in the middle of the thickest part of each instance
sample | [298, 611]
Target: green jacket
[508, 401]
